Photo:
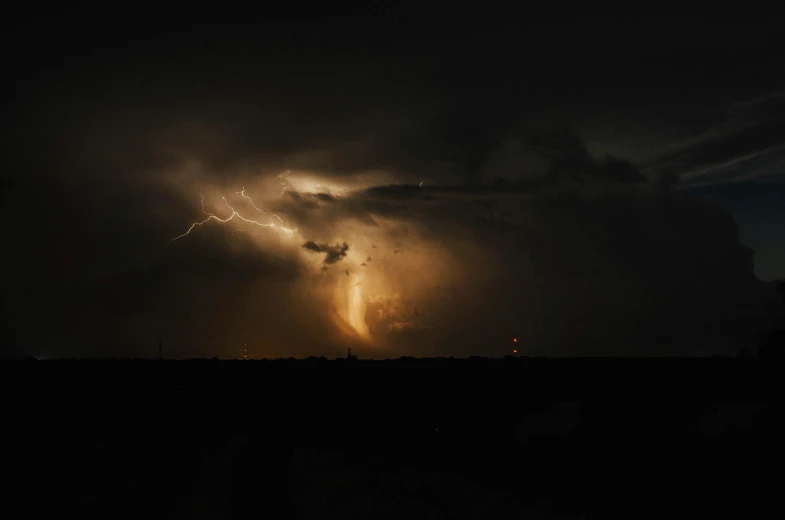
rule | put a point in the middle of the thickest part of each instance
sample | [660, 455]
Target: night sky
[592, 184]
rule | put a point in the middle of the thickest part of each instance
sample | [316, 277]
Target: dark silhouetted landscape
[405, 438]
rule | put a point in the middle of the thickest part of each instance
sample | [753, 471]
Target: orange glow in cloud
[374, 293]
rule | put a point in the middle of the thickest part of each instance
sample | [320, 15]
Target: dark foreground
[401, 439]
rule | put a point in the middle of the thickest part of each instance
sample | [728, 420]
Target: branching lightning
[212, 216]
[354, 298]
[262, 210]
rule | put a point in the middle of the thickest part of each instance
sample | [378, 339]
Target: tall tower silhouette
[160, 349]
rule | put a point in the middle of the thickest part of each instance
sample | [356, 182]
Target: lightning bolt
[284, 182]
[212, 216]
[356, 301]
[262, 210]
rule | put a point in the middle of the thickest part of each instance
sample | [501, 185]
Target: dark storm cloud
[166, 291]
[561, 154]
[569, 166]
[587, 261]
[109, 148]
[332, 254]
[641, 272]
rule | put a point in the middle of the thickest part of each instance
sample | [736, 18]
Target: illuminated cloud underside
[350, 296]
